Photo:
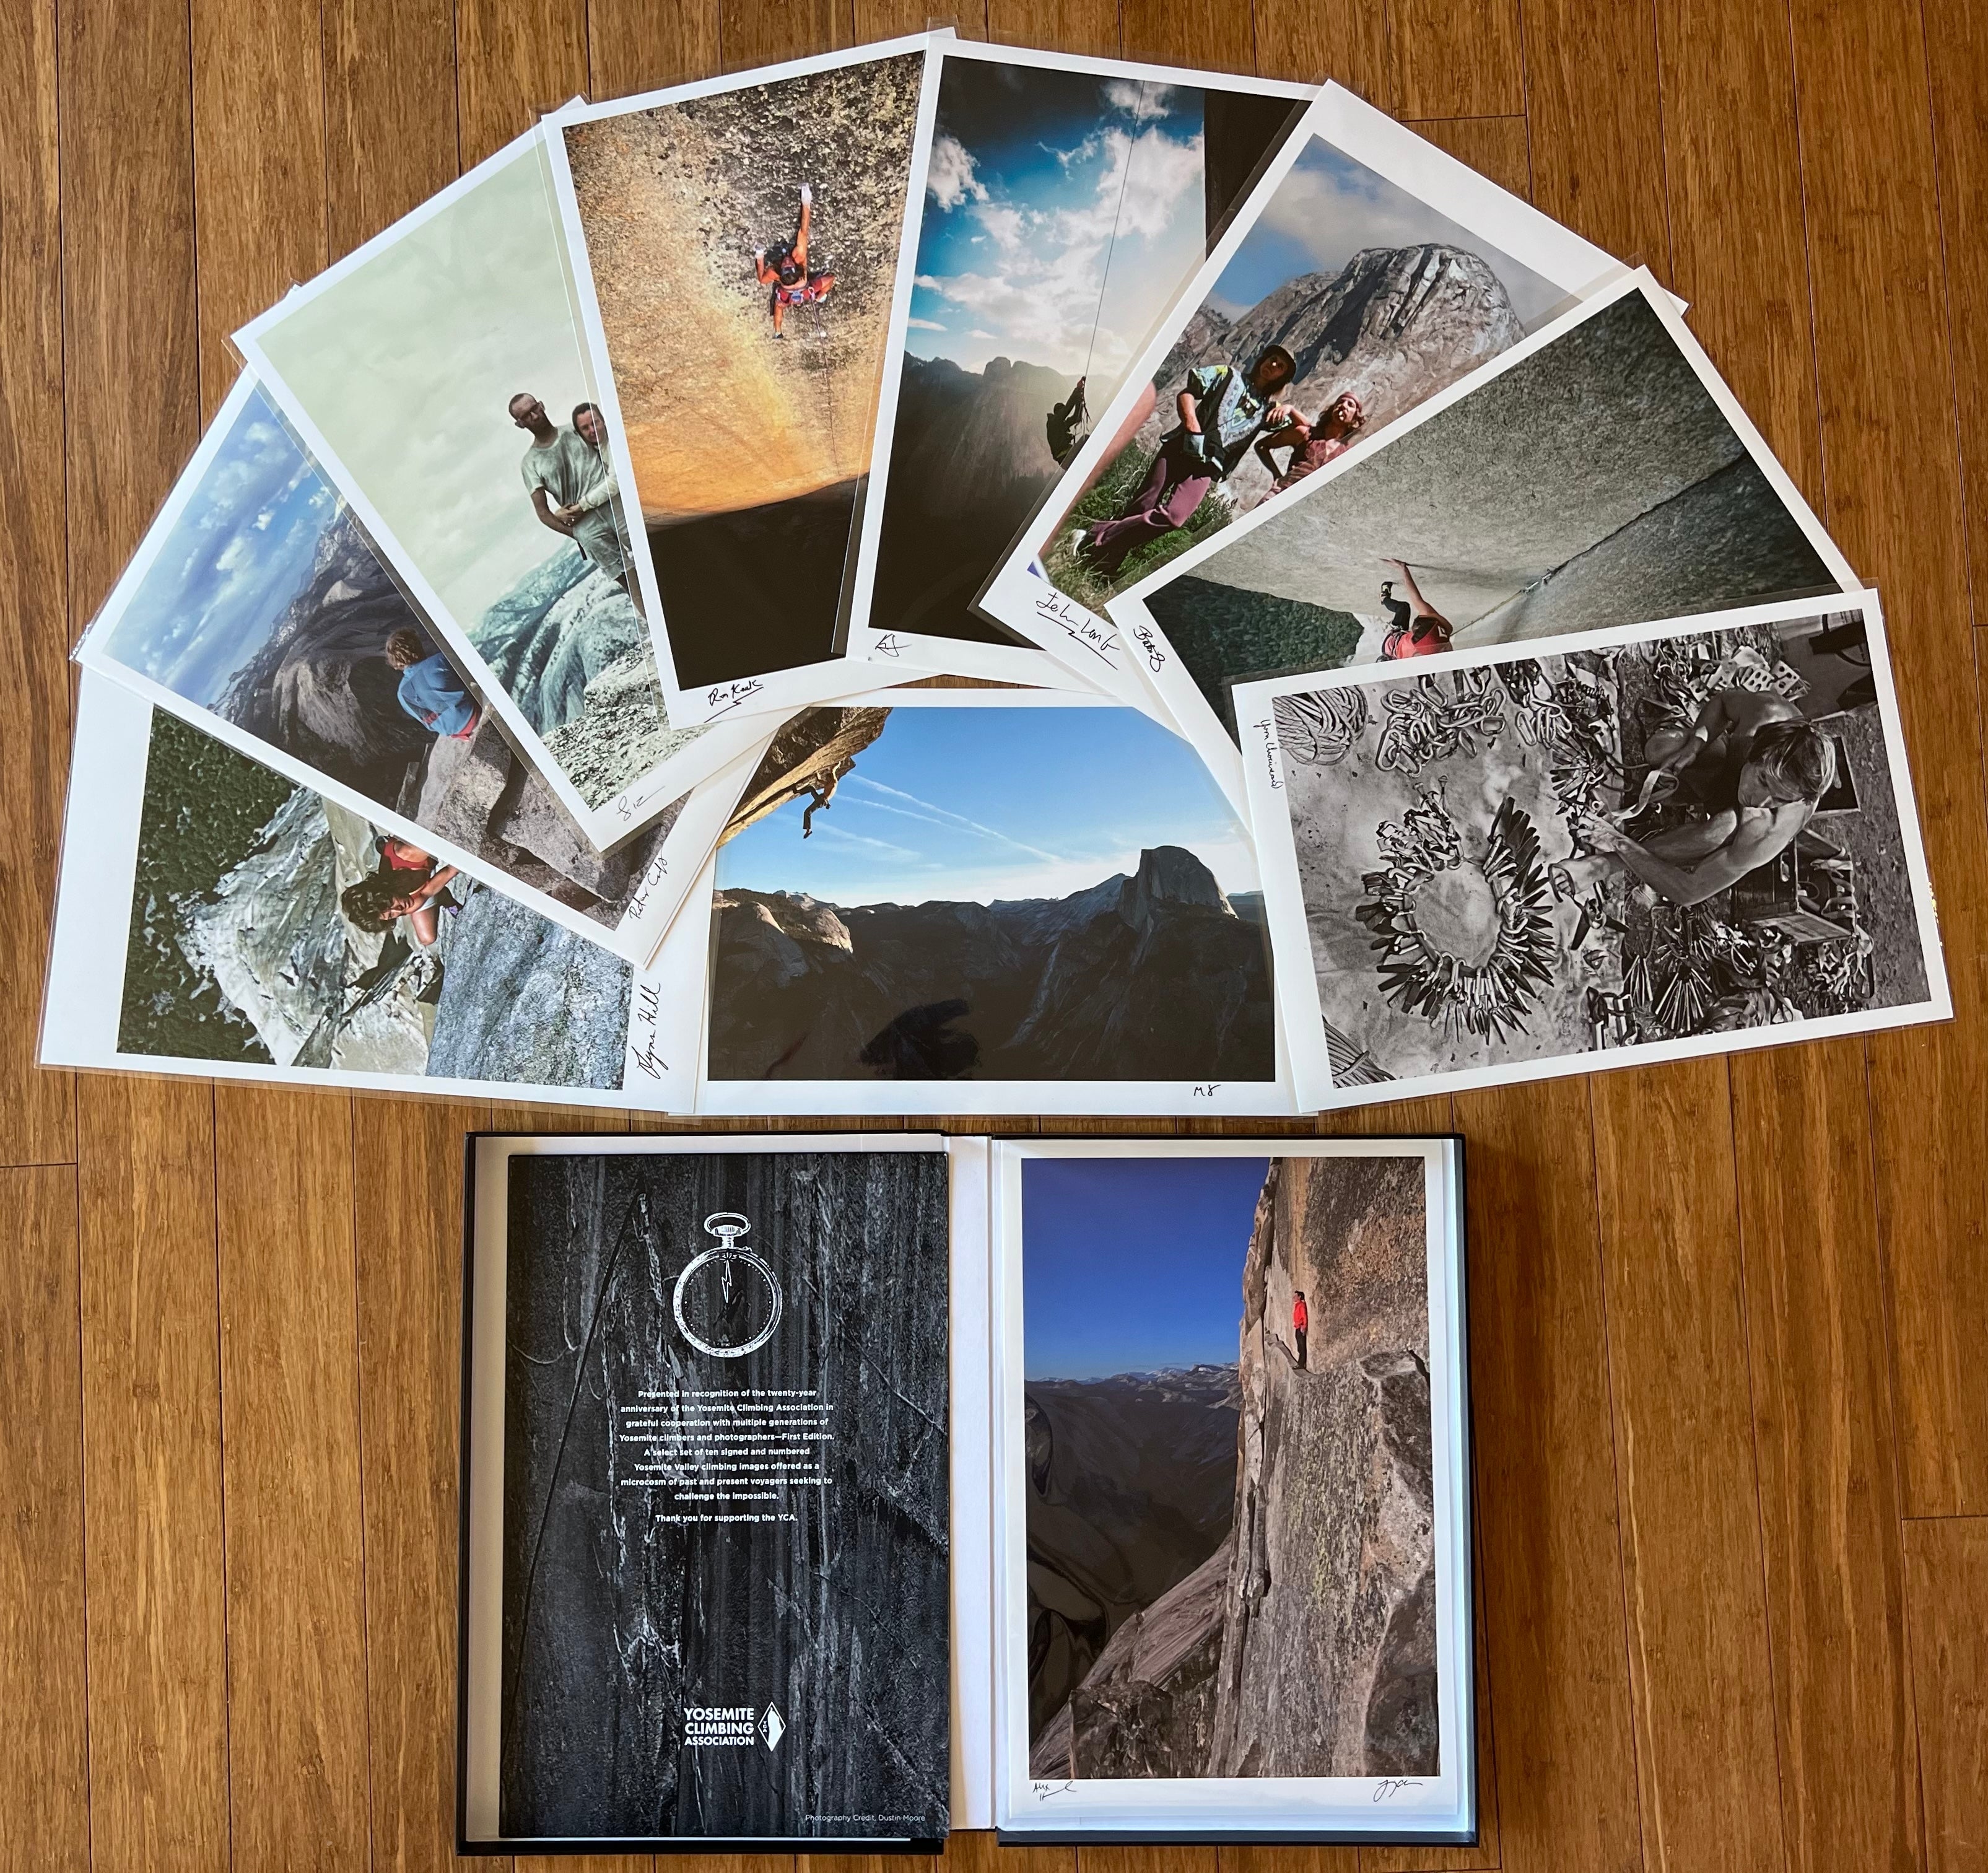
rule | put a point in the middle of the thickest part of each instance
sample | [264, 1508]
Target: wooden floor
[1730, 1322]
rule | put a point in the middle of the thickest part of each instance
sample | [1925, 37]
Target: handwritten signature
[723, 696]
[1156, 659]
[888, 645]
[1268, 731]
[1389, 1786]
[1043, 1790]
[1078, 626]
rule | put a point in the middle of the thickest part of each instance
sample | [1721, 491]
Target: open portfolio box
[849, 1490]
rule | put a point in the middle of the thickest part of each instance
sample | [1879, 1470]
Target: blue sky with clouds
[977, 804]
[1056, 201]
[1327, 208]
[238, 554]
[1133, 1264]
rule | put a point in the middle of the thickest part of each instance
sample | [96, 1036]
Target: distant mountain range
[320, 687]
[1156, 976]
[1131, 1484]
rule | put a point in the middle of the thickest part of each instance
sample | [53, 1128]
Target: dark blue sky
[1133, 1264]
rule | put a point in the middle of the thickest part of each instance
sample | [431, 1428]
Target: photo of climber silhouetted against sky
[742, 250]
[1229, 1491]
[1064, 208]
[1596, 481]
[971, 891]
[1349, 301]
[262, 606]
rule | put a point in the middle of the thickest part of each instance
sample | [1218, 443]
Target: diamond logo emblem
[770, 1726]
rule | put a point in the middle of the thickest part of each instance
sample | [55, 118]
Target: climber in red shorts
[784, 269]
[1300, 1320]
[1419, 630]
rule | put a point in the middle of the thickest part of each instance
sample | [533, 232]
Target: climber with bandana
[783, 269]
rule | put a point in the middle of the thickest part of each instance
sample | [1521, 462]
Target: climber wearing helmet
[784, 269]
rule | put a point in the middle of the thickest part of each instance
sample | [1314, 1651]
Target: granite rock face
[628, 1603]
[320, 687]
[1393, 325]
[1305, 1644]
[554, 633]
[1328, 1656]
[1152, 977]
[806, 759]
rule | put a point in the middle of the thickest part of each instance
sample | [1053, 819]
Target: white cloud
[950, 178]
[1003, 222]
[924, 325]
[1144, 99]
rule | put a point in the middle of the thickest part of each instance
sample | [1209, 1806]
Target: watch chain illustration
[730, 1292]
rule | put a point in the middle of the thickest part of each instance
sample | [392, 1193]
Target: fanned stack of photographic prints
[833, 1493]
[872, 585]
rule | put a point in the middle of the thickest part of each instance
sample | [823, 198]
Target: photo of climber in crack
[1209, 1592]
[784, 269]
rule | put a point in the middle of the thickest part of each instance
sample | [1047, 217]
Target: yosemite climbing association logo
[731, 1726]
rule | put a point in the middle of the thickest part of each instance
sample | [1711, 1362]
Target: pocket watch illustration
[728, 1300]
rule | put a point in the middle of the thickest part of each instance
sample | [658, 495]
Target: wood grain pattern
[44, 1769]
[1731, 1443]
[151, 1422]
[1689, 1507]
[1947, 1571]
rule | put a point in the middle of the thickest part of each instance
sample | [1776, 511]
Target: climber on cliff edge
[1300, 1320]
[784, 269]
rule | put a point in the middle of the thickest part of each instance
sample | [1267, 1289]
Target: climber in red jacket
[1300, 1320]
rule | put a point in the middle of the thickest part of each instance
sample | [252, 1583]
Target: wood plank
[259, 152]
[1946, 1565]
[1286, 1859]
[44, 1769]
[37, 1120]
[1546, 1484]
[1592, 98]
[1455, 58]
[515, 60]
[1089, 26]
[765, 32]
[1147, 1860]
[1310, 43]
[1823, 1432]
[407, 1172]
[1214, 34]
[151, 1390]
[1957, 57]
[391, 128]
[884, 19]
[291, 1479]
[1494, 146]
[634, 47]
[1893, 483]
[1687, 1499]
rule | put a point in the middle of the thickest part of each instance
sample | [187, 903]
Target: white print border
[608, 824]
[1017, 663]
[1022, 600]
[1440, 1808]
[803, 684]
[1284, 896]
[687, 1030]
[671, 870]
[83, 998]
[1198, 721]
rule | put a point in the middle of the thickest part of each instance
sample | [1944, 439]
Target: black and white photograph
[1602, 476]
[1365, 273]
[708, 1483]
[738, 246]
[1229, 1457]
[1683, 839]
[215, 918]
[933, 891]
[1067, 202]
[438, 377]
[259, 610]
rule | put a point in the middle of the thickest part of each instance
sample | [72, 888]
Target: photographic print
[737, 246]
[946, 888]
[1066, 202]
[1365, 274]
[437, 376]
[223, 921]
[722, 1499]
[1605, 477]
[257, 608]
[1690, 838]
